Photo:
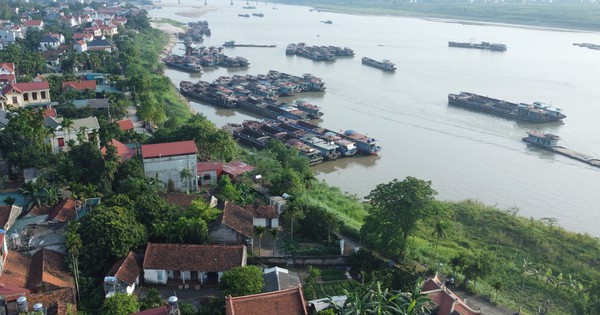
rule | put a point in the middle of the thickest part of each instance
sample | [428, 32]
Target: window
[159, 275]
[43, 94]
[15, 100]
[206, 177]
[34, 96]
[26, 97]
[61, 142]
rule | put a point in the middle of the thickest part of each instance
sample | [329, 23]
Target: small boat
[327, 22]
[244, 15]
[258, 14]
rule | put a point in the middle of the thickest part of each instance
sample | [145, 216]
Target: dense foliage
[240, 281]
[120, 304]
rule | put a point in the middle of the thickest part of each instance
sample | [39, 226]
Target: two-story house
[7, 73]
[26, 94]
[81, 130]
[172, 163]
[10, 33]
[51, 41]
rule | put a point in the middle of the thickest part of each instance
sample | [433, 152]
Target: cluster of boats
[588, 45]
[315, 143]
[258, 94]
[232, 43]
[195, 32]
[537, 112]
[184, 63]
[318, 53]
[482, 45]
[214, 56]
[384, 65]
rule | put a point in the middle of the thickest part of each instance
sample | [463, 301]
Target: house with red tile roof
[26, 94]
[289, 302]
[37, 24]
[123, 151]
[209, 172]
[190, 263]
[65, 211]
[234, 225]
[126, 124]
[447, 302]
[79, 85]
[170, 161]
[7, 73]
[55, 302]
[236, 168]
[264, 215]
[86, 37]
[124, 275]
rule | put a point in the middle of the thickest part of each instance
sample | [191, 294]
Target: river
[465, 154]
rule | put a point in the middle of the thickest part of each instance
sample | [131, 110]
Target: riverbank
[571, 16]
[171, 31]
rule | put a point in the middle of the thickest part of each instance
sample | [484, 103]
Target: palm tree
[274, 234]
[259, 231]
[33, 192]
[414, 303]
[439, 232]
[74, 244]
[186, 175]
[67, 124]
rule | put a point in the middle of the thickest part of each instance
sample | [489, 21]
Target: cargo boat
[537, 112]
[482, 45]
[232, 43]
[549, 141]
[346, 147]
[384, 65]
[364, 143]
[187, 64]
[244, 15]
[327, 149]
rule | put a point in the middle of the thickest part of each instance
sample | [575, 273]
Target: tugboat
[548, 141]
[384, 65]
[537, 112]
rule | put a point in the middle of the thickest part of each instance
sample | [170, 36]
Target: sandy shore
[172, 32]
[190, 11]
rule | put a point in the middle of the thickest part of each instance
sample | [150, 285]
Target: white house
[9, 34]
[80, 46]
[190, 264]
[265, 216]
[7, 73]
[82, 130]
[51, 41]
[124, 275]
[169, 161]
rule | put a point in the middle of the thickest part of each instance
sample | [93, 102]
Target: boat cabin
[546, 140]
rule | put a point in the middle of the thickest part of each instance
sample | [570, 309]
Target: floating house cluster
[318, 53]
[196, 32]
[259, 94]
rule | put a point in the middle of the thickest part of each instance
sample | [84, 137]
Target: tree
[439, 232]
[74, 244]
[226, 190]
[150, 300]
[186, 176]
[109, 233]
[310, 283]
[240, 281]
[259, 232]
[497, 285]
[396, 207]
[274, 235]
[120, 304]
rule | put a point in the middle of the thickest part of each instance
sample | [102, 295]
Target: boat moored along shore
[549, 141]
[232, 43]
[537, 112]
[384, 65]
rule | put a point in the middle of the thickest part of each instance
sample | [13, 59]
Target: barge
[232, 43]
[537, 112]
[549, 141]
[482, 45]
[318, 53]
[346, 147]
[384, 65]
[187, 64]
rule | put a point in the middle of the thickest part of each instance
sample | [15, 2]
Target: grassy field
[333, 288]
[585, 16]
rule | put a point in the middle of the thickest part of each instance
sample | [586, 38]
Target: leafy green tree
[120, 304]
[318, 224]
[310, 283]
[274, 235]
[593, 303]
[73, 243]
[107, 234]
[150, 300]
[200, 209]
[226, 190]
[288, 182]
[240, 281]
[396, 207]
[183, 231]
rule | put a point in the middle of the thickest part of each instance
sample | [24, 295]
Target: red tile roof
[238, 218]
[64, 211]
[169, 149]
[9, 78]
[79, 85]
[208, 258]
[127, 269]
[263, 211]
[289, 302]
[236, 168]
[182, 200]
[16, 269]
[45, 269]
[4, 215]
[123, 152]
[26, 87]
[35, 211]
[445, 299]
[33, 23]
[8, 66]
[49, 112]
[210, 166]
[154, 311]
[126, 124]
[55, 302]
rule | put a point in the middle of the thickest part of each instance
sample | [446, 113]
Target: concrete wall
[301, 261]
[153, 275]
[222, 234]
[170, 168]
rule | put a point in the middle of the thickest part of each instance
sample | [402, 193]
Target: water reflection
[342, 163]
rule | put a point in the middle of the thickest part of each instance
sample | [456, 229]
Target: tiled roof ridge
[228, 214]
